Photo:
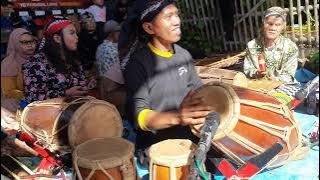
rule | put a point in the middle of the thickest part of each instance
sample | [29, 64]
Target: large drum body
[170, 159]
[61, 124]
[105, 159]
[251, 122]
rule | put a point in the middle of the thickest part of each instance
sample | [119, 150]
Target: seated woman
[55, 70]
[21, 46]
[278, 53]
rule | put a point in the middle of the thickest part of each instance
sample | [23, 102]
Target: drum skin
[105, 159]
[251, 122]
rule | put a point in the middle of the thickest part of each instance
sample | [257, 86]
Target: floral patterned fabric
[41, 81]
[108, 63]
[281, 59]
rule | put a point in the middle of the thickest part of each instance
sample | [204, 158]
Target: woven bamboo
[222, 63]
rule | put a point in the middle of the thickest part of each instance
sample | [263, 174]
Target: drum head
[224, 101]
[94, 119]
[172, 151]
[108, 152]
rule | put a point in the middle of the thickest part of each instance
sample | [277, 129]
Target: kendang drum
[62, 123]
[208, 74]
[251, 122]
[170, 159]
[105, 159]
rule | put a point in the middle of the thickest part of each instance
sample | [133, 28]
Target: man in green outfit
[279, 53]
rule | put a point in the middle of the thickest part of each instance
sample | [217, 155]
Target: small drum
[105, 159]
[231, 77]
[251, 122]
[60, 123]
[170, 159]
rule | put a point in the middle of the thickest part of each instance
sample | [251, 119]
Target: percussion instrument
[235, 78]
[251, 122]
[170, 159]
[105, 159]
[63, 123]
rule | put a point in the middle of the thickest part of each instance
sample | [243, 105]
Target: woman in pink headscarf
[21, 46]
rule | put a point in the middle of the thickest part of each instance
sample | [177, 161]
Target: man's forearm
[160, 120]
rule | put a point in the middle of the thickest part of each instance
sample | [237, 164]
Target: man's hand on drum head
[192, 111]
[76, 91]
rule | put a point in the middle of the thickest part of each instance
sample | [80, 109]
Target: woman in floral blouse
[55, 70]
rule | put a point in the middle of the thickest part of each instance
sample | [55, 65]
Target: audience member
[55, 70]
[272, 56]
[88, 41]
[98, 10]
[21, 46]
[111, 83]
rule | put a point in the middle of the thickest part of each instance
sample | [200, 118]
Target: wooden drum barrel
[251, 122]
[170, 159]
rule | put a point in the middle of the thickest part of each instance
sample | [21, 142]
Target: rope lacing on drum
[264, 126]
[92, 171]
[229, 153]
[127, 170]
[44, 138]
[266, 106]
[103, 170]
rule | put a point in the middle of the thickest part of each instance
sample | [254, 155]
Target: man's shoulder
[141, 51]
[253, 43]
[104, 45]
[181, 52]
[289, 43]
[180, 49]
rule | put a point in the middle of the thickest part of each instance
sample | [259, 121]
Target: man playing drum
[160, 77]
[273, 55]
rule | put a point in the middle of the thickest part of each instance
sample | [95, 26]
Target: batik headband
[55, 25]
[150, 12]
